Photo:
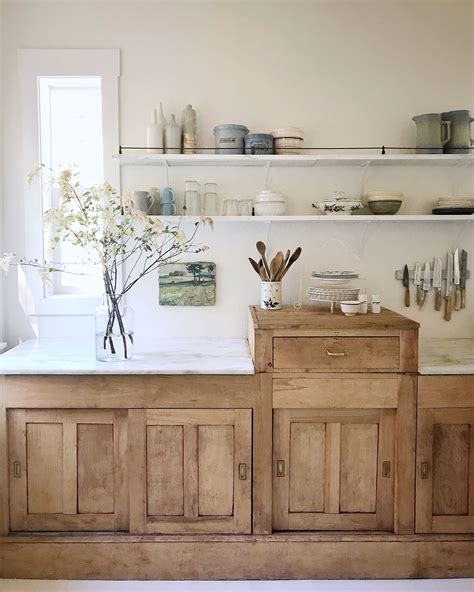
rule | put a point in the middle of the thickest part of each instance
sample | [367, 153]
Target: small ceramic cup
[270, 296]
[363, 299]
[375, 301]
[167, 195]
[350, 307]
[167, 209]
[143, 201]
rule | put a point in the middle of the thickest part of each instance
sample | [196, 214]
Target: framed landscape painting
[188, 284]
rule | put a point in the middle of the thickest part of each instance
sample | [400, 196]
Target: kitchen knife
[417, 281]
[406, 283]
[463, 277]
[426, 284]
[449, 287]
[457, 281]
[437, 278]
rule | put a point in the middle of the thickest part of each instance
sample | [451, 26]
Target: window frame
[34, 63]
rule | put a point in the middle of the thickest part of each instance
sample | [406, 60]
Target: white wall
[349, 73]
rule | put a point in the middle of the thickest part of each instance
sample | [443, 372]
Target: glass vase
[113, 331]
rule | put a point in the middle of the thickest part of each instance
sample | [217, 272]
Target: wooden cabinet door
[445, 471]
[333, 469]
[68, 470]
[198, 471]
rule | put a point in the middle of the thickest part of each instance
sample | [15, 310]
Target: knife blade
[457, 281]
[417, 281]
[449, 287]
[463, 277]
[426, 284]
[406, 283]
[437, 278]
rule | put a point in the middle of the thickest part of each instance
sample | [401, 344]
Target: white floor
[302, 586]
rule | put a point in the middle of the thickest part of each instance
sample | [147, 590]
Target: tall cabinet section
[343, 394]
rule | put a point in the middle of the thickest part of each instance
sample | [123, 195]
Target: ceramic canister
[229, 138]
[270, 296]
[460, 141]
[259, 144]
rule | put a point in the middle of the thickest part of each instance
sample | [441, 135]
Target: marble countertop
[165, 356]
[446, 356]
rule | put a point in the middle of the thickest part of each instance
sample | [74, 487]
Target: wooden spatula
[291, 260]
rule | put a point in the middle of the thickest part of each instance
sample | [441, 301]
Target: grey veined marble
[165, 356]
[446, 356]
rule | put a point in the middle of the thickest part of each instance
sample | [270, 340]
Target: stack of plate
[331, 286]
[454, 205]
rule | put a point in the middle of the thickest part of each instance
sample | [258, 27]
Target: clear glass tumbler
[231, 207]
[210, 204]
[245, 207]
[192, 203]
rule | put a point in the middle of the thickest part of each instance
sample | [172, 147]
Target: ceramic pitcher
[460, 141]
[432, 133]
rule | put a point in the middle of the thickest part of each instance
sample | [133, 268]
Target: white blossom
[5, 262]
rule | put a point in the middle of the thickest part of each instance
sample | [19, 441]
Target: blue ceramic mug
[167, 196]
[167, 209]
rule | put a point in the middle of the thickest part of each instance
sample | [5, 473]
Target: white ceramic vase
[270, 296]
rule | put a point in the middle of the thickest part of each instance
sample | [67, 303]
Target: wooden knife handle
[463, 298]
[438, 299]
[407, 296]
[457, 299]
[448, 307]
[422, 298]
[418, 294]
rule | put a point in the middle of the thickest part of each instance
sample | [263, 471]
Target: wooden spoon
[291, 260]
[261, 248]
[275, 265]
[254, 264]
[262, 272]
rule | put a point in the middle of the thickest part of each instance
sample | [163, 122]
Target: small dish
[350, 307]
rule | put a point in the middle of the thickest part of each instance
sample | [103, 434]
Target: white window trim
[33, 63]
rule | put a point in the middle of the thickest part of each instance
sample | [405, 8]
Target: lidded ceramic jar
[229, 138]
[288, 140]
[269, 203]
[259, 144]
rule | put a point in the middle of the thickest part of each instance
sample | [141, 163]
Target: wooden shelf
[303, 160]
[342, 218]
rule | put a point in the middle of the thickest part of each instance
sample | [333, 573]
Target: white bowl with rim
[350, 307]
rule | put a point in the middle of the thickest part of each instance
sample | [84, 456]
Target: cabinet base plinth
[278, 556]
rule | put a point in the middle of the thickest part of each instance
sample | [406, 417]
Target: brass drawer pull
[17, 469]
[425, 470]
[242, 471]
[335, 354]
[386, 467]
[280, 468]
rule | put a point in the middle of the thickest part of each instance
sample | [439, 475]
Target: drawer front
[355, 354]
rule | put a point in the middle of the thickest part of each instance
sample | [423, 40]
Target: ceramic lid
[231, 127]
[288, 132]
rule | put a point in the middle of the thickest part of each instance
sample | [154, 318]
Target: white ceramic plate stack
[454, 205]
[333, 286]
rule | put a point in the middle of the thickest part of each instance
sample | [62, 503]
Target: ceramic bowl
[350, 307]
[384, 196]
[270, 208]
[269, 195]
[385, 207]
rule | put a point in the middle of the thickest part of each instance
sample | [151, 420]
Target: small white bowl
[270, 208]
[350, 307]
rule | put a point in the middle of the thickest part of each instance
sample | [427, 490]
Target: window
[70, 118]
[70, 123]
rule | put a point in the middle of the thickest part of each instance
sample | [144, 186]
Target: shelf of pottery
[441, 139]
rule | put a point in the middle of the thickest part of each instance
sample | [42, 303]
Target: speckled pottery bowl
[385, 207]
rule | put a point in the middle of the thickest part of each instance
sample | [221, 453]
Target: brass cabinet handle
[280, 468]
[386, 468]
[242, 471]
[425, 470]
[17, 469]
[335, 354]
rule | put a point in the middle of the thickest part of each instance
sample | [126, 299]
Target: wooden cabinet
[333, 469]
[196, 475]
[445, 455]
[68, 470]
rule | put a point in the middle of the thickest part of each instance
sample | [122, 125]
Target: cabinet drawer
[357, 354]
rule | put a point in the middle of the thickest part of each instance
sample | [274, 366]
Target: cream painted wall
[349, 73]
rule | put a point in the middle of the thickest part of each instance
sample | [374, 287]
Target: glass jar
[113, 332]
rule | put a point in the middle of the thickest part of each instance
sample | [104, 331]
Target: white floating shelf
[303, 160]
[342, 218]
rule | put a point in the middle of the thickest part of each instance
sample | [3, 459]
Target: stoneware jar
[270, 296]
[230, 138]
[258, 144]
